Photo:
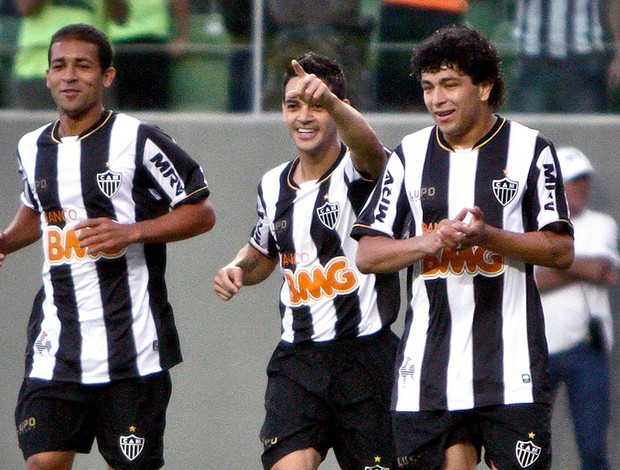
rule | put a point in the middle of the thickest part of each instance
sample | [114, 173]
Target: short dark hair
[465, 49]
[86, 33]
[324, 68]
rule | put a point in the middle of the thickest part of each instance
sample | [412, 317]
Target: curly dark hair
[324, 68]
[465, 49]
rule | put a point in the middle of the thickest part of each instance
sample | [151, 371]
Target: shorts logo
[131, 445]
[377, 466]
[407, 370]
[109, 182]
[527, 453]
[267, 443]
[329, 213]
[505, 190]
[43, 344]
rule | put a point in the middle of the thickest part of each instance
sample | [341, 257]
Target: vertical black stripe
[168, 342]
[113, 274]
[68, 356]
[434, 373]
[537, 341]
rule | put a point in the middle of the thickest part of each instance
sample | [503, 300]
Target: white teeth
[305, 131]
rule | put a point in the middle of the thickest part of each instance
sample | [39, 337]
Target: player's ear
[108, 76]
[484, 89]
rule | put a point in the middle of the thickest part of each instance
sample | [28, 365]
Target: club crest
[131, 446]
[376, 467]
[329, 213]
[505, 190]
[109, 182]
[527, 453]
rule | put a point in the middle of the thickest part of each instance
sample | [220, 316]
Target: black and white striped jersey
[474, 333]
[323, 295]
[558, 28]
[106, 316]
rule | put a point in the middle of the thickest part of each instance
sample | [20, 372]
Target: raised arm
[249, 267]
[185, 221]
[366, 150]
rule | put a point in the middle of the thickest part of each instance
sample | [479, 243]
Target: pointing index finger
[299, 70]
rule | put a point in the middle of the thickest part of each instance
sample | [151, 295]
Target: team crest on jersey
[505, 190]
[131, 445]
[109, 182]
[329, 213]
[527, 453]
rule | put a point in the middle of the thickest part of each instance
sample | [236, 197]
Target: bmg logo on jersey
[475, 260]
[307, 285]
[63, 246]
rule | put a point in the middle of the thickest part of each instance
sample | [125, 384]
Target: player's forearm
[543, 248]
[255, 266]
[366, 149]
[186, 221]
[24, 230]
[382, 254]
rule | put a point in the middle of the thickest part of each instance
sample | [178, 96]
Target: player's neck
[73, 125]
[313, 165]
[469, 139]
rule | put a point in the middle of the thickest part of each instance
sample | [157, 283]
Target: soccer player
[330, 376]
[468, 206]
[104, 192]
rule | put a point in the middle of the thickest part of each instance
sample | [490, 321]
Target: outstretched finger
[299, 70]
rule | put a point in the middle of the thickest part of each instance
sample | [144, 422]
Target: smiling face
[459, 107]
[312, 128]
[75, 79]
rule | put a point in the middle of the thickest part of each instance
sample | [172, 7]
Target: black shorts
[127, 417]
[332, 395]
[513, 436]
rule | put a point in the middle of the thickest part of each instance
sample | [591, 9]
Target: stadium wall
[216, 408]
